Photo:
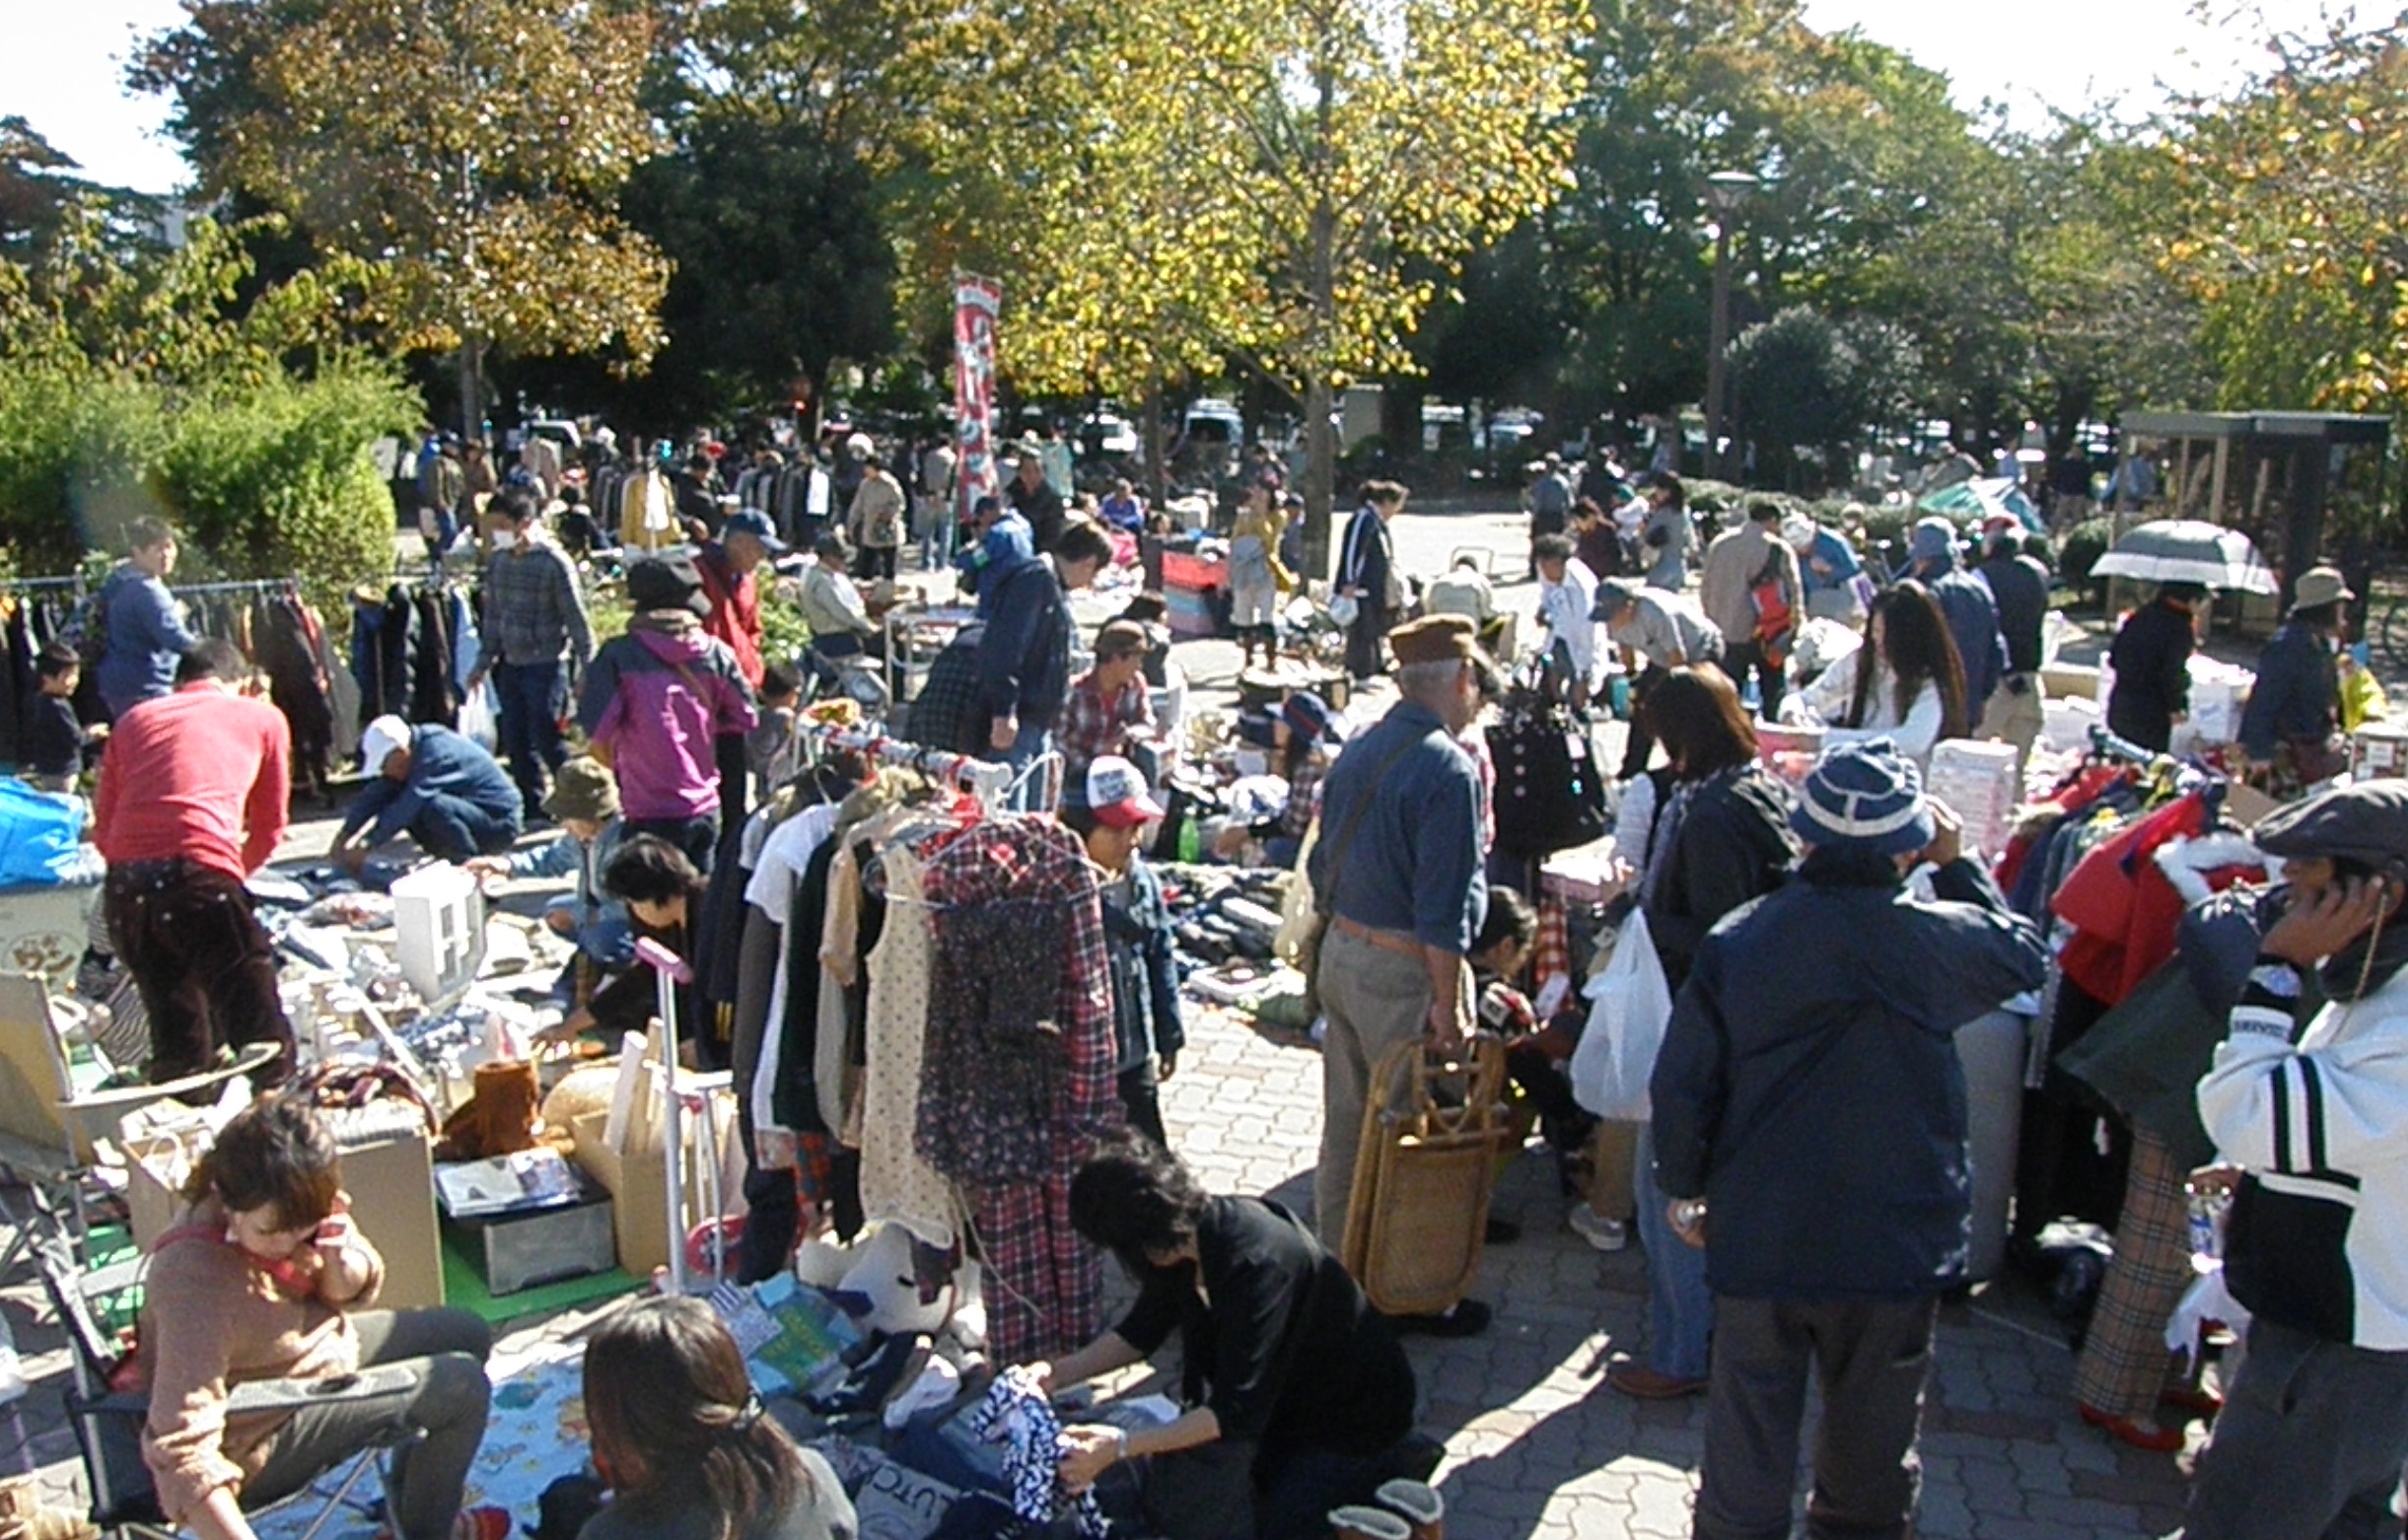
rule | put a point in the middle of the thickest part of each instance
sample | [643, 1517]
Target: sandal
[2141, 1436]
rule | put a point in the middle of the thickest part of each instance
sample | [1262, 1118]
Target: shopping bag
[1630, 1006]
[476, 722]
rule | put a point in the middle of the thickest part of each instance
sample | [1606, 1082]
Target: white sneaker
[1595, 1229]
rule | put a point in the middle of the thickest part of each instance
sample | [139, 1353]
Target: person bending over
[1299, 1398]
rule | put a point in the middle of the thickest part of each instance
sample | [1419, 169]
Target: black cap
[670, 581]
[2367, 823]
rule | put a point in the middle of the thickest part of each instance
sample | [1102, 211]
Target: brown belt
[1387, 941]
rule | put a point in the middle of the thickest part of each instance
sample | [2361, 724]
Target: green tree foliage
[471, 149]
[133, 386]
[1808, 388]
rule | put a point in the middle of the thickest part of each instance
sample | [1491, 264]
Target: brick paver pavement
[1536, 1443]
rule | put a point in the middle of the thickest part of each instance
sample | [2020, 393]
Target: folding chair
[108, 1423]
[53, 1112]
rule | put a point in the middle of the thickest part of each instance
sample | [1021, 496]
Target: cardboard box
[388, 1170]
[45, 928]
[638, 1186]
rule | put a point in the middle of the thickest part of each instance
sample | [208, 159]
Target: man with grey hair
[1665, 631]
[1397, 869]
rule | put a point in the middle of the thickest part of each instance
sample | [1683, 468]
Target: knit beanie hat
[1865, 794]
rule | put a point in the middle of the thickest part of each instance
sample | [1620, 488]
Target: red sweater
[201, 773]
[736, 611]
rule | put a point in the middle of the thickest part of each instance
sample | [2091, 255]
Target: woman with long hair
[1908, 684]
[683, 1445]
[268, 1279]
[1720, 840]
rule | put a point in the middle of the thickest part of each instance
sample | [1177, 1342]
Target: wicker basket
[1422, 1179]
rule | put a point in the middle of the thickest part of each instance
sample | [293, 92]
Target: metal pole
[668, 970]
[1721, 332]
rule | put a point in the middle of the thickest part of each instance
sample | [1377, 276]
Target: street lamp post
[1726, 191]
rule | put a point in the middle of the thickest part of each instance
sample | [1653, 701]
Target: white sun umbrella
[2188, 550]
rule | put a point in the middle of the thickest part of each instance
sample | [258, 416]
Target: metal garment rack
[982, 779]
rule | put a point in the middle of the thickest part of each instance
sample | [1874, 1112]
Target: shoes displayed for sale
[1595, 1229]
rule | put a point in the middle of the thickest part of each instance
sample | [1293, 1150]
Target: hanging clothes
[895, 1182]
[986, 1056]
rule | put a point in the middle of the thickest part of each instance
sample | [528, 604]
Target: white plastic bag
[477, 718]
[1631, 1005]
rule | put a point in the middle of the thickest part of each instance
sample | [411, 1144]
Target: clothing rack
[73, 580]
[240, 585]
[2106, 746]
[982, 779]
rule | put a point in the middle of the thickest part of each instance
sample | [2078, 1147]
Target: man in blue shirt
[430, 783]
[143, 634]
[1397, 869]
[1023, 659]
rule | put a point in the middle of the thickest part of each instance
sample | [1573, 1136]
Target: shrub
[2083, 544]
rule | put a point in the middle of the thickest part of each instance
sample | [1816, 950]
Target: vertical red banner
[976, 303]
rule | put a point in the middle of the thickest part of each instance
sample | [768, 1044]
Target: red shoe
[481, 1523]
[1633, 1378]
[2156, 1441]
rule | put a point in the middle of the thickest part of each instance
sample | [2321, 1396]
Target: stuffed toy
[874, 1280]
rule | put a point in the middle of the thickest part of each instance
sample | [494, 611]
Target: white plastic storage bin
[438, 916]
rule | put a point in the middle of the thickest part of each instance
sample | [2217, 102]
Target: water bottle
[1192, 840]
[1752, 697]
[2206, 1228]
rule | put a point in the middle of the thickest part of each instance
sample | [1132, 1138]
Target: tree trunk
[1321, 471]
[1157, 474]
[471, 368]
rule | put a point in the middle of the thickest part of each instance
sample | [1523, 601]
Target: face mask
[504, 539]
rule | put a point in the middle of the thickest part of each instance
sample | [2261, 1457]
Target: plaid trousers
[2124, 1363]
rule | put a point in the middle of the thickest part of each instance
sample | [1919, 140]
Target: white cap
[385, 734]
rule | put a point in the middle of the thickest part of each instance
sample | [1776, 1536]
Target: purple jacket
[654, 700]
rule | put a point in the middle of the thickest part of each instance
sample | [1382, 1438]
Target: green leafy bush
[2083, 544]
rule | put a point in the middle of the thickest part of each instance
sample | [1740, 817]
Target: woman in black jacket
[1722, 840]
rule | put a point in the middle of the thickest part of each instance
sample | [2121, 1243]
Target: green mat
[464, 1286]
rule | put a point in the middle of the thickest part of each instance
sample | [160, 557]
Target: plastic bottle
[1192, 840]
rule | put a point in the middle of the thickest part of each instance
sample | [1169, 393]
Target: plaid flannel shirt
[533, 611]
[1091, 726]
[1049, 1297]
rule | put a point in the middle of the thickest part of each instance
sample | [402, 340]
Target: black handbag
[1550, 788]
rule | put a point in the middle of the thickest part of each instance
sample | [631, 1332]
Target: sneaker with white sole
[1595, 1229]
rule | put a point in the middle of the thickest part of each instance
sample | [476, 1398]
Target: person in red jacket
[192, 801]
[745, 542]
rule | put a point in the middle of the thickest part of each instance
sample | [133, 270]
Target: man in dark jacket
[1023, 660]
[1810, 1127]
[2151, 660]
[2019, 585]
[432, 784]
[1972, 613]
[1035, 498]
[2299, 686]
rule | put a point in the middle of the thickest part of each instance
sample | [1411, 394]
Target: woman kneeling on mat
[264, 1277]
[1299, 1398]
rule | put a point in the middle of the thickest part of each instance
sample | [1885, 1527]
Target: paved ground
[1538, 1446]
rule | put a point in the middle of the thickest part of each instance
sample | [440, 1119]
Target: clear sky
[65, 60]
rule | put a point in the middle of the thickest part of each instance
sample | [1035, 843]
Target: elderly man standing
[745, 540]
[1740, 564]
[192, 799]
[1810, 1134]
[536, 639]
[1398, 871]
[1667, 631]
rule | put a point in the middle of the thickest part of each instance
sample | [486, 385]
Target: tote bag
[1630, 1006]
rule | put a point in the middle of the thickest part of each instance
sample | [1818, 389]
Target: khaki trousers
[1373, 998]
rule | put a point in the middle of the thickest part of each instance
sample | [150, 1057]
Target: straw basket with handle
[1420, 1206]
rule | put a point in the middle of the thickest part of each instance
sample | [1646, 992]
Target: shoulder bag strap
[1322, 901]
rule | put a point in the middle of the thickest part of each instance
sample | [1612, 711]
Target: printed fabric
[1017, 1417]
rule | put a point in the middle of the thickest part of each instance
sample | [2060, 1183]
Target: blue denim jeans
[1679, 1306]
[452, 828]
[531, 698]
[1034, 742]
